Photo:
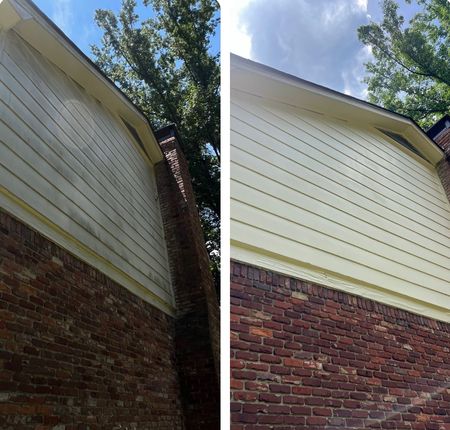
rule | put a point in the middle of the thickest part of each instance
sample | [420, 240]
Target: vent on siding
[402, 141]
[133, 132]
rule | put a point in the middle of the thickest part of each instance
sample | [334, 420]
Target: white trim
[44, 226]
[11, 14]
[258, 258]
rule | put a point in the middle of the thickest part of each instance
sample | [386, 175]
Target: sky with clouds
[313, 39]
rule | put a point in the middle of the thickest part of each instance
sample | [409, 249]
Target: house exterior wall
[92, 232]
[74, 165]
[339, 204]
[304, 356]
[78, 350]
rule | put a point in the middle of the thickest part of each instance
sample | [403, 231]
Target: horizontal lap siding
[338, 197]
[72, 161]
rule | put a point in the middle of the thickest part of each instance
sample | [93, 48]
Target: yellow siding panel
[70, 159]
[341, 199]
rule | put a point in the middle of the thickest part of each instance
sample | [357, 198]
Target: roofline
[84, 56]
[85, 60]
[345, 97]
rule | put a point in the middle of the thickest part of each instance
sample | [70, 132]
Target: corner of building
[440, 133]
[197, 328]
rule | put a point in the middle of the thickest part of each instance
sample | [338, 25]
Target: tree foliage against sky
[410, 73]
[165, 65]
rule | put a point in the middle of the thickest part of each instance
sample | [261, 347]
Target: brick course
[77, 350]
[308, 357]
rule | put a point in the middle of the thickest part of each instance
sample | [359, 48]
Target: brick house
[108, 315]
[340, 249]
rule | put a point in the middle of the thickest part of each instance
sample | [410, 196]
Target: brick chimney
[440, 133]
[197, 320]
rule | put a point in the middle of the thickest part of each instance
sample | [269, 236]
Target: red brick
[261, 332]
[292, 362]
[323, 412]
[443, 168]
[345, 364]
[316, 421]
[88, 346]
[197, 324]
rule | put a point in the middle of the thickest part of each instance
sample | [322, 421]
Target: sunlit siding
[73, 162]
[339, 199]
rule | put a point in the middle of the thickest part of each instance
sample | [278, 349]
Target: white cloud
[240, 39]
[315, 40]
[354, 75]
[362, 4]
[63, 15]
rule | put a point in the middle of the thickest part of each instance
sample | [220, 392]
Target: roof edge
[30, 23]
[236, 61]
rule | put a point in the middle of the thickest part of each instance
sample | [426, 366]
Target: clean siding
[338, 197]
[74, 162]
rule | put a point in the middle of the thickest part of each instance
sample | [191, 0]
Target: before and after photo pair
[224, 214]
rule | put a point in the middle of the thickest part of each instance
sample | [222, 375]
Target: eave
[264, 81]
[23, 17]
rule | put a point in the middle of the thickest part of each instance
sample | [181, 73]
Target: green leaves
[165, 66]
[410, 73]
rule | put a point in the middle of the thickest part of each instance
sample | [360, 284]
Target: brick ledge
[259, 277]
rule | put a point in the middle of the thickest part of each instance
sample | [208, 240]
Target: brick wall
[308, 357]
[443, 169]
[77, 350]
[440, 133]
[197, 326]
[443, 140]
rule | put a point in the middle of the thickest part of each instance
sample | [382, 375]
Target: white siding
[341, 198]
[71, 160]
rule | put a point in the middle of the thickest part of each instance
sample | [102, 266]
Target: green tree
[410, 73]
[165, 65]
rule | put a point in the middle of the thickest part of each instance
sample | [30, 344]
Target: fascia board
[48, 40]
[263, 81]
[11, 14]
[424, 144]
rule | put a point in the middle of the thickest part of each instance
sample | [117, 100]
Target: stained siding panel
[72, 160]
[338, 197]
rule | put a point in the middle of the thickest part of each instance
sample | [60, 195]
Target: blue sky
[313, 39]
[76, 19]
